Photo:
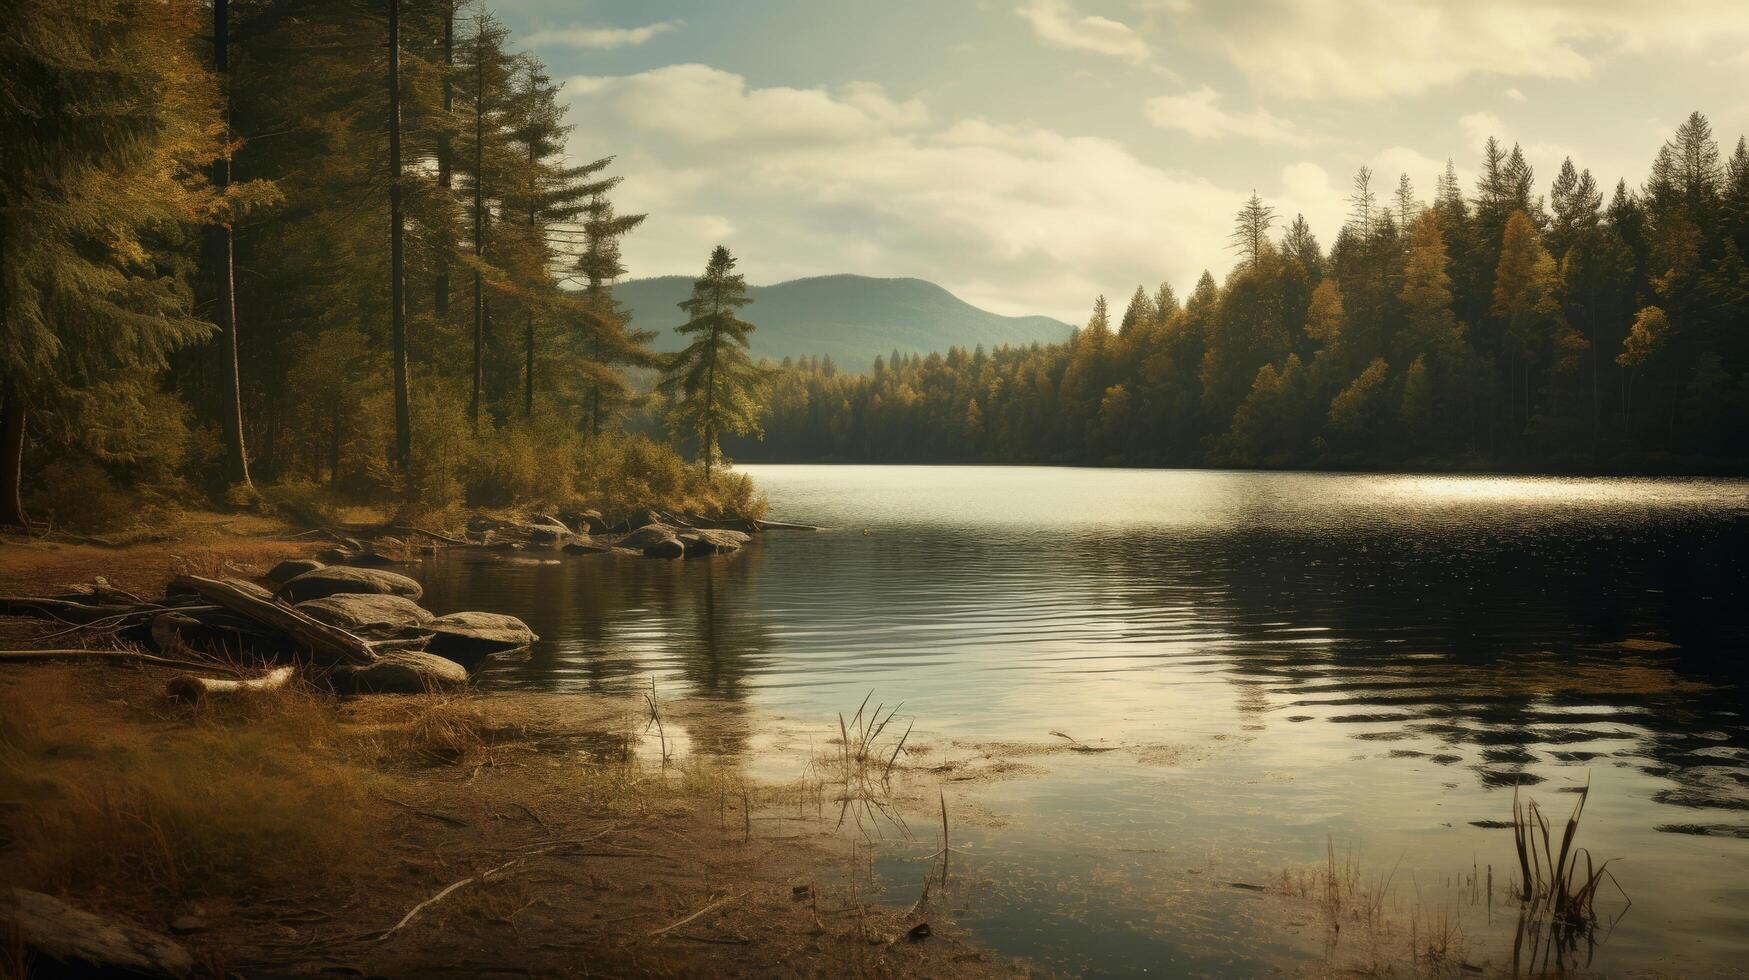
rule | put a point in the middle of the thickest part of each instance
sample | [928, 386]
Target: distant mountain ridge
[851, 318]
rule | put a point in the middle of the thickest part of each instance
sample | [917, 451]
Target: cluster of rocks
[658, 535]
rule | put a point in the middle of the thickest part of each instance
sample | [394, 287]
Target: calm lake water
[1292, 661]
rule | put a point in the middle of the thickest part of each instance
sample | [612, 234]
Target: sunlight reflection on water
[1376, 659]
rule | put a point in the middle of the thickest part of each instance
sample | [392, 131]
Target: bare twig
[708, 908]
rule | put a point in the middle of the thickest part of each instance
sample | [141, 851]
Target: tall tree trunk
[528, 368]
[445, 171]
[12, 456]
[479, 222]
[221, 251]
[397, 250]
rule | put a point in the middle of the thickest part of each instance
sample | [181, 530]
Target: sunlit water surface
[1373, 661]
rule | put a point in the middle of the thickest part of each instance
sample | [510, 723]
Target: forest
[1584, 329]
[308, 251]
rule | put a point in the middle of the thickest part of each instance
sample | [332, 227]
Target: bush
[78, 493]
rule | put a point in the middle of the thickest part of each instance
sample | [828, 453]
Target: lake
[1293, 664]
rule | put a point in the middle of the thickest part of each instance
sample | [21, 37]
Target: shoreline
[560, 835]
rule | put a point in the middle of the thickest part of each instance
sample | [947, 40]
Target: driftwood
[326, 644]
[783, 526]
[81, 944]
[196, 689]
[409, 529]
[63, 610]
[40, 656]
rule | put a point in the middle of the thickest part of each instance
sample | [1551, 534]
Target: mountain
[851, 318]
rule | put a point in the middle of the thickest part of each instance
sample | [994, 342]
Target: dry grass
[236, 797]
[202, 543]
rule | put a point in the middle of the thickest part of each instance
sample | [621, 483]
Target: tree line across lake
[1582, 329]
[332, 248]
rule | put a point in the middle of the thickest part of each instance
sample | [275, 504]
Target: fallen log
[133, 656]
[328, 645]
[765, 525]
[196, 689]
[410, 529]
[61, 610]
[65, 941]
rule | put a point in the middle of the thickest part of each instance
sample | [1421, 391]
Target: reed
[1550, 878]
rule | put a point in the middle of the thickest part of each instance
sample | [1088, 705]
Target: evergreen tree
[107, 130]
[713, 385]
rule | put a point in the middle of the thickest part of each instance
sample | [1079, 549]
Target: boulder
[585, 546]
[539, 534]
[65, 941]
[654, 541]
[587, 521]
[323, 582]
[351, 610]
[712, 541]
[291, 568]
[401, 672]
[646, 536]
[468, 636]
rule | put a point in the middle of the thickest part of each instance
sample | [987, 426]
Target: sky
[1030, 154]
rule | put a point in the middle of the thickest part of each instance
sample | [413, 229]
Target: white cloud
[1514, 94]
[599, 38]
[701, 104]
[1016, 219]
[1375, 49]
[1198, 114]
[1060, 25]
[1477, 127]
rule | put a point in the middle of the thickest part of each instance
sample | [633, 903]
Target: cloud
[1198, 114]
[1371, 50]
[1060, 25]
[600, 38]
[1477, 127]
[700, 104]
[812, 181]
[1514, 94]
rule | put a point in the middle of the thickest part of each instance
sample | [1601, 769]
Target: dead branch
[714, 905]
[40, 656]
[195, 689]
[328, 644]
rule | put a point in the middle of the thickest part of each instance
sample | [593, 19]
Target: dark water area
[1372, 661]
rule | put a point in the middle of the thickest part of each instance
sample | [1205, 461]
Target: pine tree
[713, 385]
[1139, 313]
[106, 132]
[1250, 236]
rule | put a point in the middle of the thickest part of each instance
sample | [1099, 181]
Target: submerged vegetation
[1502, 327]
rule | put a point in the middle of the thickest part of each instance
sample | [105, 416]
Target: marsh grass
[1558, 923]
[862, 770]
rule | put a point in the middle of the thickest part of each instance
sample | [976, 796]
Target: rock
[654, 541]
[547, 520]
[336, 554]
[349, 610]
[329, 581]
[646, 535]
[589, 521]
[547, 535]
[291, 568]
[646, 517]
[468, 636]
[712, 541]
[184, 925]
[401, 672]
[82, 944]
[585, 546]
